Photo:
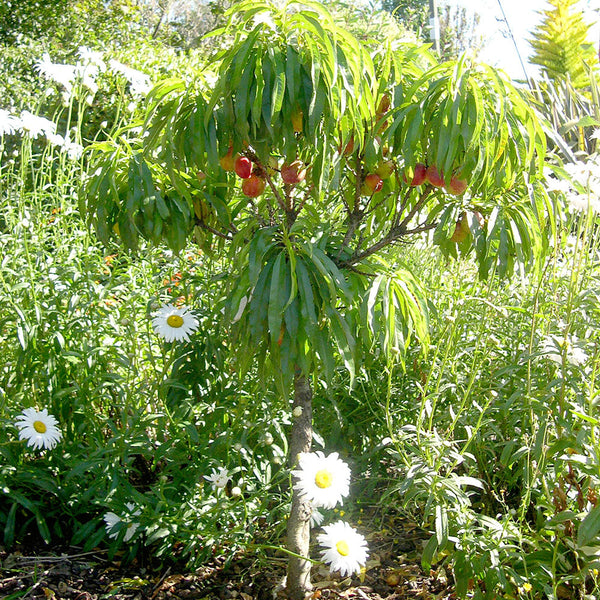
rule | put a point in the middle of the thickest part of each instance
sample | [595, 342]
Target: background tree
[459, 31]
[69, 23]
[561, 45]
[303, 169]
[459, 27]
[413, 14]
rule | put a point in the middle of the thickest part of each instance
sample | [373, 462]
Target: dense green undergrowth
[489, 438]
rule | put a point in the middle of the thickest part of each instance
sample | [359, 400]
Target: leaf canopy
[335, 130]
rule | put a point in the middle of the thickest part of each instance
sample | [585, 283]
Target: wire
[512, 37]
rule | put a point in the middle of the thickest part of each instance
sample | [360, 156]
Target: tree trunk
[298, 528]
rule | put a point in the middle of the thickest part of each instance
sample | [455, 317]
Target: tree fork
[298, 527]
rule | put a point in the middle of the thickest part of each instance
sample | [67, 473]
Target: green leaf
[441, 526]
[279, 293]
[589, 527]
[9, 527]
[427, 558]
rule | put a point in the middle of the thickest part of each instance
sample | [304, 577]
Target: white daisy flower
[583, 202]
[345, 548]
[73, 149]
[316, 517]
[38, 428]
[324, 479]
[36, 126]
[557, 185]
[8, 123]
[554, 346]
[174, 324]
[64, 75]
[219, 478]
[92, 57]
[67, 75]
[111, 519]
[140, 83]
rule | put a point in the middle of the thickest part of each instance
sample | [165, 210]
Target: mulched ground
[393, 573]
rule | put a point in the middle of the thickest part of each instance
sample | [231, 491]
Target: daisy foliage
[174, 324]
[39, 428]
[325, 480]
[345, 550]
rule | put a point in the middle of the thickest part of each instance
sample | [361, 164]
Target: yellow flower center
[39, 426]
[323, 479]
[342, 548]
[174, 321]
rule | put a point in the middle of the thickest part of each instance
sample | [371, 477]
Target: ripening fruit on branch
[228, 161]
[202, 209]
[434, 177]
[418, 177]
[297, 120]
[461, 231]
[272, 165]
[253, 186]
[457, 186]
[243, 167]
[384, 104]
[372, 183]
[348, 148]
[294, 172]
[385, 169]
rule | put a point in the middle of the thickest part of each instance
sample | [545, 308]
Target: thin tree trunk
[298, 528]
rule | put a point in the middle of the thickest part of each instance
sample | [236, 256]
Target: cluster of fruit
[424, 174]
[253, 174]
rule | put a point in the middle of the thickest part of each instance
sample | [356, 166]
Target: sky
[523, 17]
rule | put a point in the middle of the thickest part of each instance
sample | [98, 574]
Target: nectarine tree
[312, 258]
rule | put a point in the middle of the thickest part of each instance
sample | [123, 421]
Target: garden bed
[393, 573]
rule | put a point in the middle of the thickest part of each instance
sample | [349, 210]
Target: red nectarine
[418, 177]
[243, 167]
[253, 186]
[294, 172]
[457, 186]
[372, 184]
[461, 231]
[434, 177]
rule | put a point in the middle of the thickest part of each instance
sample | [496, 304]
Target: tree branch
[396, 232]
[200, 223]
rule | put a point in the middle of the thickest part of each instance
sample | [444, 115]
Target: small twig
[420, 228]
[51, 559]
[203, 225]
[418, 205]
[257, 214]
[160, 582]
